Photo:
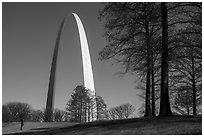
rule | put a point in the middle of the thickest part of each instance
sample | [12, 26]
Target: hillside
[175, 125]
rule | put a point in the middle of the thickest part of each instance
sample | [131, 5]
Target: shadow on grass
[40, 129]
[154, 125]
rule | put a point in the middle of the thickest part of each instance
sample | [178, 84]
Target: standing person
[21, 120]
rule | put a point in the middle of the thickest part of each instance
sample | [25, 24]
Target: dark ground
[175, 125]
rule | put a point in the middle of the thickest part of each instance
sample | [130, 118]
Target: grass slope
[175, 125]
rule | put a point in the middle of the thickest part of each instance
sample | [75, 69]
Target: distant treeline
[77, 110]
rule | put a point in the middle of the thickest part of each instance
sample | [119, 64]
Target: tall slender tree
[165, 109]
[101, 108]
[186, 47]
[142, 37]
[130, 28]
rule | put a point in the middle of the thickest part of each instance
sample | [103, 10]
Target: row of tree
[79, 107]
[161, 43]
[75, 110]
[15, 111]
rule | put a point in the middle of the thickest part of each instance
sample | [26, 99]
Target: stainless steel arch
[50, 94]
[87, 71]
[87, 67]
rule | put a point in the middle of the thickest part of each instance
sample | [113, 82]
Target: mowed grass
[14, 127]
[175, 125]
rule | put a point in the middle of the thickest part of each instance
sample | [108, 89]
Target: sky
[29, 32]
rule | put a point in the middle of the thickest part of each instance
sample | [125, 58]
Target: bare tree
[143, 37]
[123, 111]
[101, 108]
[183, 103]
[112, 114]
[18, 111]
[186, 47]
[58, 115]
[36, 115]
[6, 114]
[132, 31]
[128, 110]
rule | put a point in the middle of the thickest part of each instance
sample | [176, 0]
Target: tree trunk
[88, 112]
[152, 74]
[81, 108]
[85, 119]
[188, 111]
[165, 109]
[97, 111]
[75, 114]
[147, 101]
[193, 86]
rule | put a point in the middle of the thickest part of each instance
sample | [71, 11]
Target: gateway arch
[87, 71]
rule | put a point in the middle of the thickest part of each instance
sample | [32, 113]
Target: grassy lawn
[14, 127]
[176, 125]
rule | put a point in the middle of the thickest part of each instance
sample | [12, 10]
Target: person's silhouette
[21, 120]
